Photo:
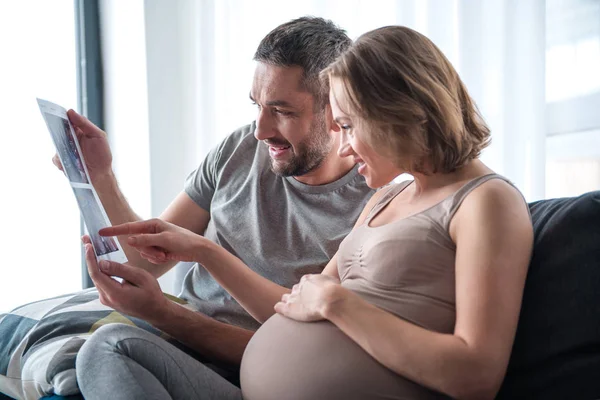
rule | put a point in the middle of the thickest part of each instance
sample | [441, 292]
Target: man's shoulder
[235, 145]
[239, 152]
[241, 136]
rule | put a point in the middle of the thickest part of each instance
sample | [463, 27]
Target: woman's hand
[158, 241]
[311, 299]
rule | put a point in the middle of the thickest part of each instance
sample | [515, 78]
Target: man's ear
[331, 124]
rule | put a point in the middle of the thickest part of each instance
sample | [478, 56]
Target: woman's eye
[345, 127]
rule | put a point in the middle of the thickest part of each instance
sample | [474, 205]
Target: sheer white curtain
[498, 47]
[573, 96]
[198, 69]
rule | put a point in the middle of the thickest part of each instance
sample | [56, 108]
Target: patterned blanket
[39, 342]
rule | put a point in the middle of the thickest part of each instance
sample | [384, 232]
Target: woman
[422, 299]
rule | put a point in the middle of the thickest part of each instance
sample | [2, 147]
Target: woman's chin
[375, 182]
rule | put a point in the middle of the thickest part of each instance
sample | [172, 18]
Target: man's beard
[309, 153]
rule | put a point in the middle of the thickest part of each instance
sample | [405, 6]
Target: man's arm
[119, 211]
[98, 157]
[215, 340]
[140, 296]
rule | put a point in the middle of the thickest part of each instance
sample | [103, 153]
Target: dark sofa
[556, 354]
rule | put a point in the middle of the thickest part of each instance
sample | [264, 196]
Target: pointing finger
[132, 228]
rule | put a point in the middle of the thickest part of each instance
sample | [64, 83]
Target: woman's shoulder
[496, 195]
[496, 187]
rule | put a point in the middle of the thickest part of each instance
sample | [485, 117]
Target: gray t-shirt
[279, 227]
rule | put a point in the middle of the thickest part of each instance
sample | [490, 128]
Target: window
[40, 218]
[573, 97]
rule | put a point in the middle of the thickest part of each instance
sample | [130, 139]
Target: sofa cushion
[556, 354]
[39, 342]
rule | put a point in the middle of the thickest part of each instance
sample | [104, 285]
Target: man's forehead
[275, 83]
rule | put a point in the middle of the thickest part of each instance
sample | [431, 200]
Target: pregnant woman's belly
[289, 360]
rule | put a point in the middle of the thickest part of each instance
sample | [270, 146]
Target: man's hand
[94, 146]
[159, 241]
[138, 296]
[310, 298]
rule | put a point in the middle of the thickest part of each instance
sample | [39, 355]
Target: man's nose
[265, 128]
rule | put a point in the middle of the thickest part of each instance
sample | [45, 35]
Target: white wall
[126, 98]
[41, 247]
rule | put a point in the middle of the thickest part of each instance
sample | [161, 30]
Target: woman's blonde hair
[411, 99]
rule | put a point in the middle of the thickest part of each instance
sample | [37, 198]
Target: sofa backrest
[556, 354]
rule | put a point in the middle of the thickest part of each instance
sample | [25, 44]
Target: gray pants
[124, 362]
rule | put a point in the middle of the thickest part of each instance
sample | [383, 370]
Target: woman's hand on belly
[310, 299]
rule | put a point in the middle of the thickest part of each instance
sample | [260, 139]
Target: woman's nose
[345, 149]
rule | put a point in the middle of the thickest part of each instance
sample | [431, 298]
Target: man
[274, 193]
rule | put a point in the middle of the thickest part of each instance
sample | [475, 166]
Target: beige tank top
[405, 267]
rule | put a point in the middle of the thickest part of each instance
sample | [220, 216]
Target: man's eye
[345, 127]
[282, 112]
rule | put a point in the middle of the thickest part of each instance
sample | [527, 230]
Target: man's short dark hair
[308, 42]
